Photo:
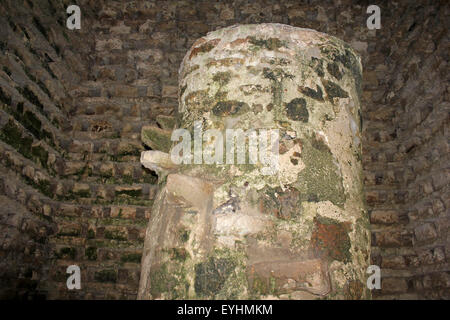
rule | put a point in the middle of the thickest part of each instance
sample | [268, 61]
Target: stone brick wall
[406, 92]
[76, 194]
[73, 104]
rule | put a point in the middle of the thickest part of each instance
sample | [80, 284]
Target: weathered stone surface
[57, 79]
[157, 161]
[156, 138]
[165, 122]
[24, 234]
[425, 232]
[246, 233]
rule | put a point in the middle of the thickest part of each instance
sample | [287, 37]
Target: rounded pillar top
[271, 36]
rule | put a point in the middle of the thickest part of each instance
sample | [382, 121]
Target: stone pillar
[237, 231]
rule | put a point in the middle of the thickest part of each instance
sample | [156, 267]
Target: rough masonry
[73, 103]
[232, 231]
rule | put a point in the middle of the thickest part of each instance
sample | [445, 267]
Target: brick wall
[73, 104]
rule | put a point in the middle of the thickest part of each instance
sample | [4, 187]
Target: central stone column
[280, 213]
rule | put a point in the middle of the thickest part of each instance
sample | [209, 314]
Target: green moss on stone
[115, 235]
[91, 253]
[206, 47]
[161, 281]
[149, 178]
[47, 68]
[40, 154]
[82, 193]
[220, 95]
[134, 193]
[48, 136]
[27, 93]
[317, 65]
[131, 257]
[333, 90]
[12, 135]
[40, 27]
[183, 235]
[28, 72]
[67, 252]
[279, 61]
[321, 179]
[330, 238]
[342, 53]
[349, 60]
[296, 110]
[69, 233]
[122, 200]
[210, 275]
[131, 150]
[230, 107]
[4, 98]
[55, 122]
[5, 69]
[182, 90]
[277, 76]
[44, 187]
[314, 94]
[178, 254]
[269, 44]
[198, 99]
[283, 204]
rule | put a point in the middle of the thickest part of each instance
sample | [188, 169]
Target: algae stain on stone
[333, 90]
[296, 110]
[206, 47]
[156, 138]
[333, 69]
[230, 107]
[210, 275]
[321, 179]
[282, 204]
[339, 52]
[169, 281]
[222, 78]
[314, 94]
[269, 44]
[225, 98]
[277, 76]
